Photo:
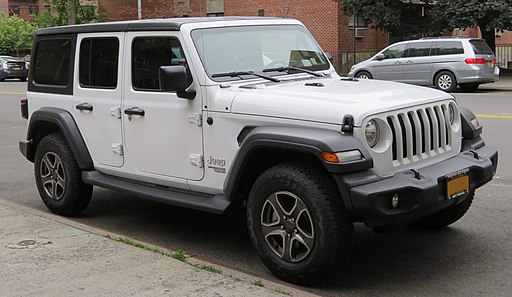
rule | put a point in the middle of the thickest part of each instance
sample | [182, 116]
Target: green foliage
[209, 268]
[257, 282]
[178, 255]
[59, 16]
[15, 34]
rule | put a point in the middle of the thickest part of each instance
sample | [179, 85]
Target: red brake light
[475, 61]
[494, 62]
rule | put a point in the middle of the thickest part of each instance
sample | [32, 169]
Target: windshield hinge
[195, 118]
[348, 124]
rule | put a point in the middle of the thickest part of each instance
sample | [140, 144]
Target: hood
[328, 100]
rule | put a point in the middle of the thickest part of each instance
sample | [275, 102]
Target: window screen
[52, 62]
[148, 54]
[99, 62]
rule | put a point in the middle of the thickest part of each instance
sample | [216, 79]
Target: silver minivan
[440, 62]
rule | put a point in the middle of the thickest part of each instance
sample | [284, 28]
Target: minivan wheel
[298, 224]
[364, 75]
[469, 87]
[59, 178]
[446, 81]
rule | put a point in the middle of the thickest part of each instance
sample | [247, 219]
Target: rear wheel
[298, 224]
[364, 75]
[447, 216]
[469, 87]
[58, 177]
[446, 81]
[23, 78]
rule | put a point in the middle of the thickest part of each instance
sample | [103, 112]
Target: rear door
[391, 67]
[418, 63]
[97, 95]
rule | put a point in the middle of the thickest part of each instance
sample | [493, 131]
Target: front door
[391, 67]
[97, 95]
[162, 132]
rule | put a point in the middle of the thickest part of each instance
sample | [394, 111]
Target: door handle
[135, 111]
[409, 62]
[84, 106]
[398, 62]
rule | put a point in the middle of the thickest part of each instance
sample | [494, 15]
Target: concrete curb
[223, 283]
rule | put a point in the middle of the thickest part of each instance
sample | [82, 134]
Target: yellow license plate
[457, 184]
[17, 68]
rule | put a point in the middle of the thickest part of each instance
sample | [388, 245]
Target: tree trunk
[489, 37]
[72, 12]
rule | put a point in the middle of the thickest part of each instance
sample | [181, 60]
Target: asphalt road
[470, 258]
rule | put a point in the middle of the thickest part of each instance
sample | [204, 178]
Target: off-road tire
[446, 81]
[332, 226]
[59, 178]
[447, 216]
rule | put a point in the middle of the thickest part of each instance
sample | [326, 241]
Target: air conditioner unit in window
[497, 32]
[360, 32]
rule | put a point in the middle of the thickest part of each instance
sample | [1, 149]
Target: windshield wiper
[238, 73]
[288, 68]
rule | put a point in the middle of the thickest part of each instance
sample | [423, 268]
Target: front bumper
[370, 196]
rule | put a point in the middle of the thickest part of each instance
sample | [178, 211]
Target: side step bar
[216, 204]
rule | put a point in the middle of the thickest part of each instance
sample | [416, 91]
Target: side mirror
[173, 78]
[379, 57]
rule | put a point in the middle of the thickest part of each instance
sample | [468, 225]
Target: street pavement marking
[13, 93]
[493, 116]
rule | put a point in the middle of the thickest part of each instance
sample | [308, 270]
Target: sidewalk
[41, 255]
[503, 84]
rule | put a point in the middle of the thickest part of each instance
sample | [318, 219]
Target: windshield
[256, 48]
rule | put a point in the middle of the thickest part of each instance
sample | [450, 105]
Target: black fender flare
[67, 125]
[306, 140]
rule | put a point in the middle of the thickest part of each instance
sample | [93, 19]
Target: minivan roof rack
[440, 37]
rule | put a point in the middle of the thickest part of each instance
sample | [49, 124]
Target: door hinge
[115, 112]
[197, 160]
[117, 148]
[195, 118]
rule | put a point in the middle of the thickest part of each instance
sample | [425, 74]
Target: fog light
[394, 201]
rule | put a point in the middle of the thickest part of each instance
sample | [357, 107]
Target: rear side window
[148, 54]
[449, 48]
[52, 62]
[419, 49]
[480, 47]
[99, 62]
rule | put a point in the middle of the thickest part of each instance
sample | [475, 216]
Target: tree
[60, 14]
[15, 34]
[400, 18]
[488, 15]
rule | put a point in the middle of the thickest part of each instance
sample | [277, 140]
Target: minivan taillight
[475, 61]
[24, 108]
[494, 62]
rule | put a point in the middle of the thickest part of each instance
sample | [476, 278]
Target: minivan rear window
[480, 47]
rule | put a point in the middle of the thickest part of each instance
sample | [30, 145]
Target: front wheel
[58, 177]
[364, 75]
[298, 224]
[447, 216]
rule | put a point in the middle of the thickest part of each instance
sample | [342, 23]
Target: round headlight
[371, 132]
[451, 114]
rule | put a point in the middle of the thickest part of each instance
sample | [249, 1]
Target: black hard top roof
[171, 24]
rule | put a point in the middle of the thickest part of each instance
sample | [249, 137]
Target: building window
[360, 22]
[261, 12]
[33, 9]
[48, 8]
[14, 10]
[215, 14]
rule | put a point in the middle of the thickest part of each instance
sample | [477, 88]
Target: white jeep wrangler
[206, 113]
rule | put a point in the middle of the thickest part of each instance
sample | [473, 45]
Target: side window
[395, 51]
[99, 62]
[148, 54]
[419, 49]
[52, 62]
[449, 48]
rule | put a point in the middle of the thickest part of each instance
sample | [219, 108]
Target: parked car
[11, 67]
[440, 62]
[246, 114]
